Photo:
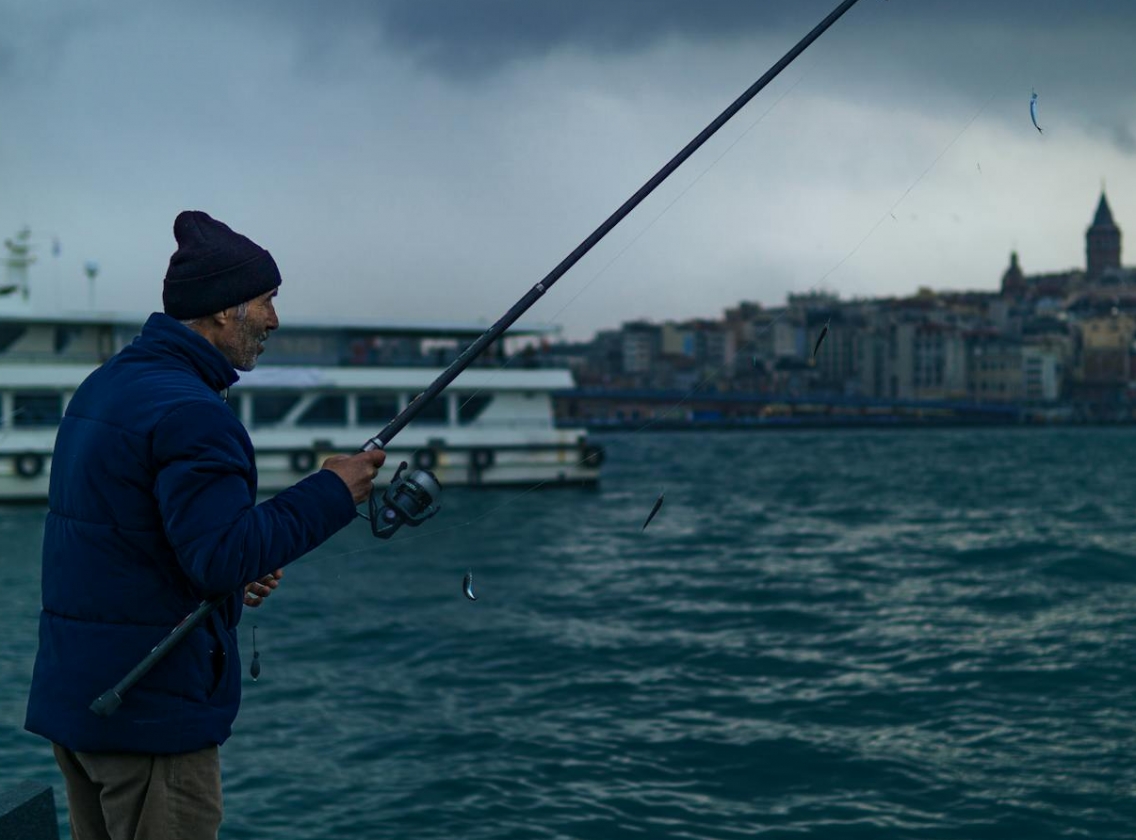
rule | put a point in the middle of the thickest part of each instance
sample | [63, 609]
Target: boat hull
[25, 471]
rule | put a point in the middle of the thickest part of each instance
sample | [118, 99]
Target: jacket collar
[169, 337]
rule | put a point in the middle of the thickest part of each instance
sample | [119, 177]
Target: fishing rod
[537, 291]
[412, 498]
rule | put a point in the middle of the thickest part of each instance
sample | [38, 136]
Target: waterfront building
[1042, 373]
[994, 367]
[1105, 351]
[641, 342]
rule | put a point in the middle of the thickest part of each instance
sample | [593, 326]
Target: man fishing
[152, 508]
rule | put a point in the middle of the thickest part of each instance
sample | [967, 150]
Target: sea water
[851, 634]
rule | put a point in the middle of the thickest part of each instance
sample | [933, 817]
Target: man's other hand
[258, 590]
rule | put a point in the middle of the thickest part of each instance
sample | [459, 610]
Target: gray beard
[245, 357]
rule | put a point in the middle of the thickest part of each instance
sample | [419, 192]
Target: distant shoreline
[629, 410]
[804, 425]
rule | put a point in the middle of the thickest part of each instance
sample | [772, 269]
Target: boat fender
[482, 458]
[593, 455]
[28, 464]
[425, 459]
[302, 460]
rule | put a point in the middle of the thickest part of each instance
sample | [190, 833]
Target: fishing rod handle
[107, 703]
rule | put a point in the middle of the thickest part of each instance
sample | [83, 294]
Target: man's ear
[223, 317]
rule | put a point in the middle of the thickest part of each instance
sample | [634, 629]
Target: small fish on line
[820, 339]
[654, 510]
[254, 668]
[467, 586]
[1033, 111]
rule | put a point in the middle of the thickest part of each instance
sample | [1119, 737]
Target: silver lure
[1033, 111]
[467, 586]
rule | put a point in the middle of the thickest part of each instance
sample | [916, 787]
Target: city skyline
[1108, 255]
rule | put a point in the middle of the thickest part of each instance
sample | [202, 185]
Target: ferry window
[377, 408]
[271, 408]
[8, 335]
[435, 412]
[63, 336]
[327, 410]
[32, 409]
[470, 406]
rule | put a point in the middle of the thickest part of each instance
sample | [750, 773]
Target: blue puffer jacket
[152, 509]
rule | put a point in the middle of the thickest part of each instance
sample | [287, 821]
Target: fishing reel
[408, 500]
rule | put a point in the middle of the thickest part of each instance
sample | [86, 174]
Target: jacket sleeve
[222, 538]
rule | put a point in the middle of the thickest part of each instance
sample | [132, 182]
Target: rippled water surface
[874, 634]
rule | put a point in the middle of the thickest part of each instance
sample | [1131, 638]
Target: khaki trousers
[130, 796]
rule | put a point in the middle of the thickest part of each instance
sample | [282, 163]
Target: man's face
[242, 340]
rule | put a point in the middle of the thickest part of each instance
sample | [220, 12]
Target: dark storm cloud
[459, 38]
[1077, 54]
[462, 37]
[906, 42]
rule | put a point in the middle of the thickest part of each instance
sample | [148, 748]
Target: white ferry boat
[320, 389]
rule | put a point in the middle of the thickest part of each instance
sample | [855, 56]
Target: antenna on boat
[91, 269]
[110, 700]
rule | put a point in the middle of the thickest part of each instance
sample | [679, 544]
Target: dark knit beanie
[213, 268]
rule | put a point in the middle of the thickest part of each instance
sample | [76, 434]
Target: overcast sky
[432, 159]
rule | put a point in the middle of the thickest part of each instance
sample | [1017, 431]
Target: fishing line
[686, 397]
[764, 330]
